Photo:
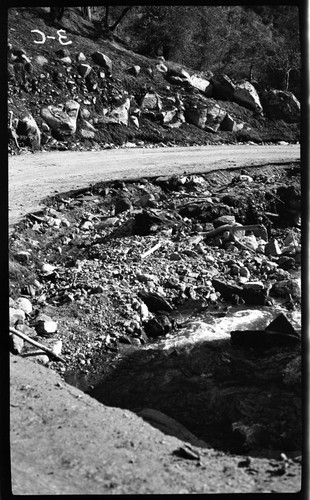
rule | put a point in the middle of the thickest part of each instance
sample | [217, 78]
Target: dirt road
[32, 177]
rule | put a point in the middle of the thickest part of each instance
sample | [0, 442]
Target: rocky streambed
[178, 293]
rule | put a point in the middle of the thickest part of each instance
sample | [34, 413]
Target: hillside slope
[122, 99]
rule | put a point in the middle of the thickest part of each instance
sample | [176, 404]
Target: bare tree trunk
[106, 17]
[287, 79]
[251, 73]
[113, 27]
[86, 12]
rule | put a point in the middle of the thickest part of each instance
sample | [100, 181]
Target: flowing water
[213, 326]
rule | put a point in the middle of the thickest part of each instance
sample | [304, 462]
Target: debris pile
[116, 263]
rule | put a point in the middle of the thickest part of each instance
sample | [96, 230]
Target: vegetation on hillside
[259, 43]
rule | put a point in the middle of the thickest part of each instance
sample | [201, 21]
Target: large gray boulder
[230, 125]
[152, 101]
[201, 84]
[27, 126]
[206, 117]
[278, 104]
[178, 76]
[62, 118]
[119, 114]
[104, 61]
[84, 69]
[246, 95]
[223, 87]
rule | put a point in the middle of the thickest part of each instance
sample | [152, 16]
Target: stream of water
[213, 326]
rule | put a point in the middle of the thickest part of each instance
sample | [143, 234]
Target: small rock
[245, 178]
[244, 272]
[121, 205]
[286, 287]
[57, 347]
[23, 256]
[16, 315]
[223, 220]
[47, 268]
[134, 70]
[186, 451]
[17, 343]
[156, 327]
[285, 262]
[86, 226]
[282, 325]
[175, 256]
[45, 326]
[24, 304]
[42, 359]
[272, 247]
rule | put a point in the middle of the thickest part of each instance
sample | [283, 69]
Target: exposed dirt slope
[64, 442]
[55, 82]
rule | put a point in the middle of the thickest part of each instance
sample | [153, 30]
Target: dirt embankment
[64, 442]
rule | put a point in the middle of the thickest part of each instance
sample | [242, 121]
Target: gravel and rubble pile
[119, 264]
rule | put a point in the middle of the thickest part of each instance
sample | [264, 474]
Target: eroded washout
[178, 294]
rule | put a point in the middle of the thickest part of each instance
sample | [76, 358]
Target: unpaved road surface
[32, 177]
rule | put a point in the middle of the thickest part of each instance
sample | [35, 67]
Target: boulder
[104, 61]
[22, 256]
[158, 326]
[286, 288]
[162, 68]
[45, 326]
[208, 118]
[230, 125]
[122, 204]
[24, 304]
[16, 344]
[16, 315]
[62, 119]
[201, 84]
[87, 134]
[28, 126]
[119, 114]
[278, 104]
[84, 113]
[66, 60]
[134, 120]
[223, 87]
[40, 60]
[81, 57]
[154, 301]
[88, 126]
[84, 69]
[134, 70]
[152, 101]
[63, 53]
[246, 95]
[178, 76]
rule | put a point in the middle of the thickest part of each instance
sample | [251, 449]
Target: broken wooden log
[36, 344]
[151, 250]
